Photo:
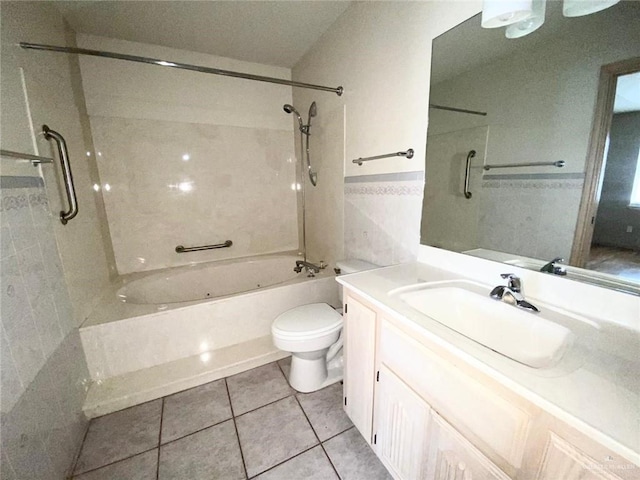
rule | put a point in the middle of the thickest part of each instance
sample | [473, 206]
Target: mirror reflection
[508, 145]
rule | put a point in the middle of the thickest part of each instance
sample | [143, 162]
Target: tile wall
[382, 217]
[43, 372]
[533, 217]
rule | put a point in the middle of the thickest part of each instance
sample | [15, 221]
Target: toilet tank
[352, 265]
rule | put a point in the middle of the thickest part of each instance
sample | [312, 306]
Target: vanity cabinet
[359, 334]
[428, 414]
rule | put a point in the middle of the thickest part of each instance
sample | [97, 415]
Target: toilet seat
[307, 321]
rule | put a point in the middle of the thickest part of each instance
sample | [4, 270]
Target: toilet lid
[312, 319]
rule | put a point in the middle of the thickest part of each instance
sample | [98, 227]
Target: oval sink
[528, 338]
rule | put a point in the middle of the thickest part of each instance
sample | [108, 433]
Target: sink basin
[529, 338]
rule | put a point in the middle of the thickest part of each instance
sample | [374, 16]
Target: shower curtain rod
[459, 110]
[183, 66]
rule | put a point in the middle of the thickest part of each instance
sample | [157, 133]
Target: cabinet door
[400, 428]
[359, 348]
[452, 457]
[563, 460]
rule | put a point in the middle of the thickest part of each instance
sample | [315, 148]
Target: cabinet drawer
[484, 416]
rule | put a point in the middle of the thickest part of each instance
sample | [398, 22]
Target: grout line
[84, 438]
[265, 405]
[115, 461]
[338, 434]
[317, 437]
[284, 461]
[235, 426]
[196, 431]
[160, 439]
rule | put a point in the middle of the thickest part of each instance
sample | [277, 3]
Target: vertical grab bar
[66, 173]
[467, 171]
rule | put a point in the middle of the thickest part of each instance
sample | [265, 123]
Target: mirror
[528, 107]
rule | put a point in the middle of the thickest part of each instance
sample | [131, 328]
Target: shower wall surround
[50, 274]
[190, 159]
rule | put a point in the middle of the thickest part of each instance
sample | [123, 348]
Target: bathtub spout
[310, 267]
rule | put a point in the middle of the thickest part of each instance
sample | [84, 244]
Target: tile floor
[250, 425]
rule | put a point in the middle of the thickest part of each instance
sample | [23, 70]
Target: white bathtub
[160, 332]
[209, 280]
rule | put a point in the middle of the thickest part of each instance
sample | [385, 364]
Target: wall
[540, 104]
[190, 158]
[380, 53]
[51, 275]
[614, 214]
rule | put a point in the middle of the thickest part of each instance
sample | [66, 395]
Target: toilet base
[310, 374]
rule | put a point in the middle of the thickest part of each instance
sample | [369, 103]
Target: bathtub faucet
[310, 267]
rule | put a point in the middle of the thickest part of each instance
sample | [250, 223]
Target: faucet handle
[513, 281]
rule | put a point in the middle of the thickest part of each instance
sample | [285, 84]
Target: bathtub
[209, 280]
[156, 333]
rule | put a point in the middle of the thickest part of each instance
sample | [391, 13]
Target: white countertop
[596, 386]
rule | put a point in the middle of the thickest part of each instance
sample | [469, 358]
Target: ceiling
[269, 32]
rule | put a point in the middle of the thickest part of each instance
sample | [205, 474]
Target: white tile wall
[382, 221]
[43, 370]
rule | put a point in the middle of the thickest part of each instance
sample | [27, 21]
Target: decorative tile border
[402, 189]
[576, 184]
[14, 202]
[10, 181]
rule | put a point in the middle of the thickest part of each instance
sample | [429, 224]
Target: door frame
[595, 157]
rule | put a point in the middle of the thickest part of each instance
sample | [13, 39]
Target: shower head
[313, 110]
[290, 109]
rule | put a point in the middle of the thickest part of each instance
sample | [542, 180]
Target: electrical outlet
[629, 228]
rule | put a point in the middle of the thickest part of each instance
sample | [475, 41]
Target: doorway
[608, 231]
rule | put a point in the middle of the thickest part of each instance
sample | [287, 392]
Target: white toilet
[313, 335]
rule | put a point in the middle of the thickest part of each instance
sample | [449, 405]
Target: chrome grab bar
[559, 164]
[66, 174]
[408, 154]
[183, 249]
[467, 171]
[34, 159]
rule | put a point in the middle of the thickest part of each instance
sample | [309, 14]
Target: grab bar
[559, 164]
[408, 154]
[34, 159]
[66, 174]
[467, 171]
[183, 249]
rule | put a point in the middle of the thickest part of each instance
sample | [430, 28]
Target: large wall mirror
[508, 145]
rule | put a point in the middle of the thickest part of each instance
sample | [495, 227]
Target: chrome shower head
[313, 110]
[290, 109]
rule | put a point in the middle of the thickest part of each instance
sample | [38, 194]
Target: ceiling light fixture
[500, 13]
[578, 8]
[530, 24]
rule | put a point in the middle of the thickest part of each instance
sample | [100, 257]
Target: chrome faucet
[309, 267]
[551, 267]
[511, 293]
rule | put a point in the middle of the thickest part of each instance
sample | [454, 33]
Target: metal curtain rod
[459, 110]
[408, 154]
[34, 159]
[183, 66]
[559, 164]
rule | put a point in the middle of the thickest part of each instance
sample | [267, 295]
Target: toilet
[313, 335]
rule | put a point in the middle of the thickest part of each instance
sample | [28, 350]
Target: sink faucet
[551, 267]
[512, 293]
[310, 267]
